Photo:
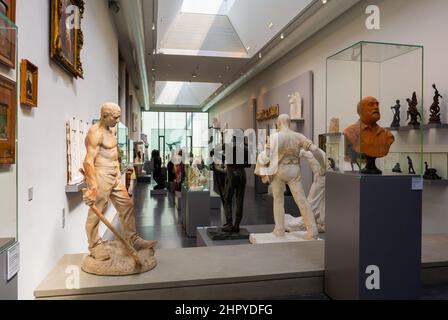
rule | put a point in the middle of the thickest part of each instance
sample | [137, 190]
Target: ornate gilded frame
[56, 50]
[26, 66]
[8, 95]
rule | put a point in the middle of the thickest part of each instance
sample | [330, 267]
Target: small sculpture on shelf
[397, 168]
[332, 164]
[430, 173]
[413, 112]
[410, 166]
[354, 156]
[334, 125]
[435, 107]
[366, 137]
[397, 118]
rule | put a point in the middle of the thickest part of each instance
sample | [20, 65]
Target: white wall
[402, 21]
[42, 145]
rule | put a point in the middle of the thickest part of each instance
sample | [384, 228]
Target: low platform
[263, 271]
[203, 240]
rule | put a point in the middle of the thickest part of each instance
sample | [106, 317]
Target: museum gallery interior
[223, 149]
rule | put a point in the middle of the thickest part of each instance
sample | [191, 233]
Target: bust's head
[110, 114]
[369, 110]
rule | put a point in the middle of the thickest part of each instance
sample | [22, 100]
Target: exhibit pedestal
[197, 213]
[263, 238]
[373, 236]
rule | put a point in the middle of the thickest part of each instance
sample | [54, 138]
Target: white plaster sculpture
[196, 179]
[216, 123]
[295, 101]
[316, 197]
[76, 134]
[129, 254]
[280, 164]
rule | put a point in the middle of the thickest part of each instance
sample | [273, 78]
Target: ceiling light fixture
[324, 1]
[260, 55]
[282, 36]
[194, 75]
[153, 26]
[248, 48]
[270, 25]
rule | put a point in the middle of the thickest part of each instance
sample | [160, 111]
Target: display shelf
[436, 182]
[75, 188]
[332, 134]
[424, 127]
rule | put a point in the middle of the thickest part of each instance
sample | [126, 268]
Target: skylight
[183, 93]
[220, 7]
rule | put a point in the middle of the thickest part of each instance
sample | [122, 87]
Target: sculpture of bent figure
[280, 164]
[131, 254]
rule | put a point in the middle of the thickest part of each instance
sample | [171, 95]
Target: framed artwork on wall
[67, 39]
[7, 121]
[29, 78]
[8, 33]
[134, 122]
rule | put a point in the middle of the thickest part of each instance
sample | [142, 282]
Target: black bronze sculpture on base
[397, 118]
[231, 180]
[332, 164]
[354, 156]
[413, 112]
[371, 167]
[397, 168]
[410, 166]
[430, 173]
[435, 108]
[159, 176]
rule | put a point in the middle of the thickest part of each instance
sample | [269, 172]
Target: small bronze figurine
[430, 173]
[435, 107]
[411, 166]
[413, 112]
[332, 164]
[397, 168]
[353, 158]
[397, 118]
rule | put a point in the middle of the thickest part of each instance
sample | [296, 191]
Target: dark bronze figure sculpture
[430, 173]
[413, 112]
[435, 107]
[397, 168]
[158, 174]
[397, 118]
[411, 166]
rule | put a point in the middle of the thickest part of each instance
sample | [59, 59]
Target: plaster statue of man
[280, 163]
[103, 183]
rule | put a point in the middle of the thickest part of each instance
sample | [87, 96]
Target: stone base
[159, 192]
[120, 262]
[216, 234]
[261, 238]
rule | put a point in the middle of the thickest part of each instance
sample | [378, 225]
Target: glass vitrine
[9, 76]
[375, 95]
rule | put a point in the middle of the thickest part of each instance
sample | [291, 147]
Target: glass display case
[374, 109]
[197, 177]
[123, 146]
[9, 76]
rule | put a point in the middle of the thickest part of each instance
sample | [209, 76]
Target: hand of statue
[89, 196]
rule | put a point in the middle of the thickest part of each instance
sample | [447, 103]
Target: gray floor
[157, 218]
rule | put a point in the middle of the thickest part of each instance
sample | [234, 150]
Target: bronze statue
[397, 118]
[397, 168]
[410, 166]
[413, 112]
[435, 107]
[430, 173]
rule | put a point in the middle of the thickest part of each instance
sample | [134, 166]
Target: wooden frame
[65, 49]
[8, 34]
[29, 78]
[8, 110]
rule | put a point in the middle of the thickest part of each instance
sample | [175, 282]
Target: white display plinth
[261, 238]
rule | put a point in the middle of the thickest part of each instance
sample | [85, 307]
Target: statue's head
[110, 114]
[284, 122]
[369, 110]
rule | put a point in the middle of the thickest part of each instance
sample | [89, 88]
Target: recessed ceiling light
[194, 75]
[154, 51]
[282, 36]
[260, 55]
[324, 1]
[248, 48]
[270, 25]
[153, 26]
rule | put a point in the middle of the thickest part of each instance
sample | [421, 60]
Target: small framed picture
[7, 121]
[29, 78]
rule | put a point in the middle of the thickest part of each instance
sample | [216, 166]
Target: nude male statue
[103, 182]
[280, 163]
